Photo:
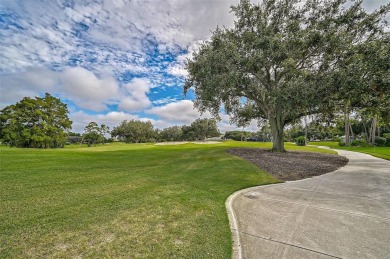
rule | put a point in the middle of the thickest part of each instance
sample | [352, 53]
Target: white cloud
[225, 125]
[178, 67]
[86, 90]
[136, 98]
[81, 119]
[58, 31]
[32, 82]
[165, 100]
[178, 70]
[181, 112]
[78, 85]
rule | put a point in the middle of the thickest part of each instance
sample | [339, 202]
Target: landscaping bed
[292, 165]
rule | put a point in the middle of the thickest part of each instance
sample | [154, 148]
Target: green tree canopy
[201, 129]
[278, 62]
[91, 133]
[35, 123]
[363, 80]
[134, 131]
[103, 130]
[238, 135]
[173, 133]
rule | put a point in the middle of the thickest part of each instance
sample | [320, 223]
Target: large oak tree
[200, 129]
[135, 131]
[278, 62]
[35, 123]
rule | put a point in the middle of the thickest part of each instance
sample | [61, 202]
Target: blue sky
[109, 60]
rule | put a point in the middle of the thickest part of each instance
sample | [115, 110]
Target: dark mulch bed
[291, 165]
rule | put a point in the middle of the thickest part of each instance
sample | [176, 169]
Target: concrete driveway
[343, 214]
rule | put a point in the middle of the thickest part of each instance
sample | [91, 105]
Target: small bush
[380, 142]
[387, 136]
[300, 141]
[109, 140]
[359, 143]
[341, 143]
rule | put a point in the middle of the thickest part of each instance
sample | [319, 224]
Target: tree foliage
[201, 129]
[364, 84]
[173, 133]
[281, 60]
[134, 131]
[35, 123]
[103, 130]
[91, 134]
[238, 135]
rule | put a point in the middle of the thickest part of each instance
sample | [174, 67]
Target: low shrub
[336, 139]
[359, 143]
[341, 143]
[387, 136]
[300, 141]
[380, 142]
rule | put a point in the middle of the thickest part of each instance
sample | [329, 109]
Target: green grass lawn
[122, 200]
[381, 152]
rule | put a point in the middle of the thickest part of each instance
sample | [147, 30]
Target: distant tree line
[363, 129]
[136, 131]
[44, 123]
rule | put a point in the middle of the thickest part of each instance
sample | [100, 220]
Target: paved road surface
[343, 214]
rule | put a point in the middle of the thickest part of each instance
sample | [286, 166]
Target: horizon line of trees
[44, 123]
[322, 128]
[136, 131]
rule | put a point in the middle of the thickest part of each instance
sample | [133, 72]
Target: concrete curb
[236, 243]
[236, 246]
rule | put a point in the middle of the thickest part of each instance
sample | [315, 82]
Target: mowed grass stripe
[121, 200]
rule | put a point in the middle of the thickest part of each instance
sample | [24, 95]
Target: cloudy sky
[109, 60]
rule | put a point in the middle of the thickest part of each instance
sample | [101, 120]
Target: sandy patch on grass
[185, 142]
[206, 142]
[170, 143]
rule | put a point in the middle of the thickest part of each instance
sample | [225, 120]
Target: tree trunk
[373, 128]
[305, 130]
[365, 130]
[277, 127]
[346, 126]
[352, 134]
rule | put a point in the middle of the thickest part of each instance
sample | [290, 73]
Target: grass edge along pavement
[122, 199]
[380, 152]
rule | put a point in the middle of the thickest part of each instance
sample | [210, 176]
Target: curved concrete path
[343, 214]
